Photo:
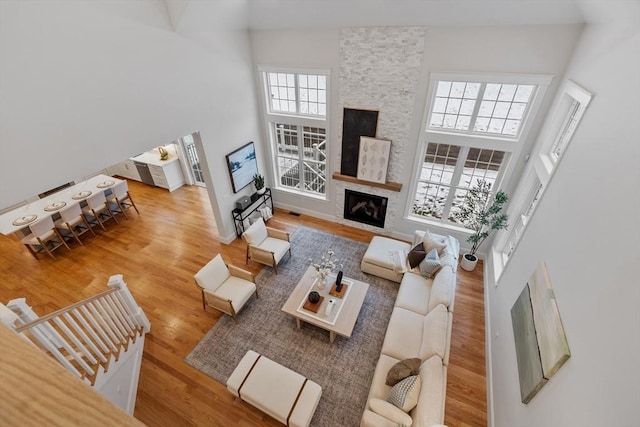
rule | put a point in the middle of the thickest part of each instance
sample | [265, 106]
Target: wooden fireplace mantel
[393, 186]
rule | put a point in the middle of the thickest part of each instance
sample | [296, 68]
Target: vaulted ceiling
[211, 15]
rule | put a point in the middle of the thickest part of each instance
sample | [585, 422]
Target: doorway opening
[193, 162]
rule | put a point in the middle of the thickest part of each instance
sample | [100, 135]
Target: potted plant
[483, 215]
[258, 181]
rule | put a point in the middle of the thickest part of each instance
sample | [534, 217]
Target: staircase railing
[87, 334]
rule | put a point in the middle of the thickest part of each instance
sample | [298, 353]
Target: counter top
[152, 157]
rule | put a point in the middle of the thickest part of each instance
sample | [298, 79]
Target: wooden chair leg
[46, 248]
[204, 306]
[274, 263]
[89, 227]
[32, 252]
[74, 234]
[111, 214]
[97, 217]
[64, 242]
[247, 261]
[134, 205]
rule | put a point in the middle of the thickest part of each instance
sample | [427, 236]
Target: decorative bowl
[314, 297]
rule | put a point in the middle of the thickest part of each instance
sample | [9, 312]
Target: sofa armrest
[389, 411]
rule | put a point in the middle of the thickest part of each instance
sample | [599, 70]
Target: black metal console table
[257, 201]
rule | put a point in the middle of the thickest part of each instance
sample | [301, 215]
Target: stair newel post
[117, 282]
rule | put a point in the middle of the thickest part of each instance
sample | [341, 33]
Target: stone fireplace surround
[376, 66]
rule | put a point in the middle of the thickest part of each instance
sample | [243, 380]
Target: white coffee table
[344, 315]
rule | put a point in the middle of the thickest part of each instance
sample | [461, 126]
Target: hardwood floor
[158, 252]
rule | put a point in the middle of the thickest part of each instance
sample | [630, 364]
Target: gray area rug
[344, 369]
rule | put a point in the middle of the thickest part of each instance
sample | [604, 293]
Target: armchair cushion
[277, 246]
[237, 290]
[213, 274]
[256, 233]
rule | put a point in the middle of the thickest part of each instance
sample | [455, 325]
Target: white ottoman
[274, 389]
[378, 259]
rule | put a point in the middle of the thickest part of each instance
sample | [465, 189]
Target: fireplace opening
[365, 208]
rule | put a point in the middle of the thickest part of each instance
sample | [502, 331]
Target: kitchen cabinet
[161, 173]
[168, 176]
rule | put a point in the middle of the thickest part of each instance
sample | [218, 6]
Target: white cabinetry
[168, 176]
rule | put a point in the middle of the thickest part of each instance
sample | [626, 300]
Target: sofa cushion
[378, 388]
[404, 334]
[430, 265]
[416, 255]
[402, 370]
[434, 333]
[442, 288]
[414, 293]
[404, 395]
[431, 241]
[430, 407]
[393, 417]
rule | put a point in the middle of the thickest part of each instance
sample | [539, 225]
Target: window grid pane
[313, 94]
[453, 105]
[502, 108]
[479, 164]
[315, 159]
[282, 89]
[435, 179]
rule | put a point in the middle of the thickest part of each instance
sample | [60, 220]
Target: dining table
[30, 213]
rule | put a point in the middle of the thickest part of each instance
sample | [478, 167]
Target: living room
[130, 82]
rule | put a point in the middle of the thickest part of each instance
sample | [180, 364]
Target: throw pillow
[430, 265]
[430, 241]
[416, 255]
[405, 394]
[402, 370]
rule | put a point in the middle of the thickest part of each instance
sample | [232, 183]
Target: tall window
[296, 113]
[474, 124]
[558, 132]
[448, 172]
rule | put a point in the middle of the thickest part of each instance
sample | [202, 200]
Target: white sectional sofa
[420, 327]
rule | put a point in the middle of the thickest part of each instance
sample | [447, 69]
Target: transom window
[296, 115]
[480, 107]
[304, 94]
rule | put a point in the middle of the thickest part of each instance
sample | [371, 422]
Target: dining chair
[225, 288]
[74, 222]
[266, 245]
[96, 208]
[44, 237]
[120, 199]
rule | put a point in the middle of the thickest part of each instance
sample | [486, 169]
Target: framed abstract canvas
[373, 159]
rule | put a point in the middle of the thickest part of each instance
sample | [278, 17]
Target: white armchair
[266, 245]
[225, 287]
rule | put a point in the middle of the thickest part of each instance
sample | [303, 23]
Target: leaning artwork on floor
[541, 344]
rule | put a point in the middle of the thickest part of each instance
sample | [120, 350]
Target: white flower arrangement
[326, 264]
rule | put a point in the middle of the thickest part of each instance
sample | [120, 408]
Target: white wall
[87, 84]
[586, 228]
[525, 49]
